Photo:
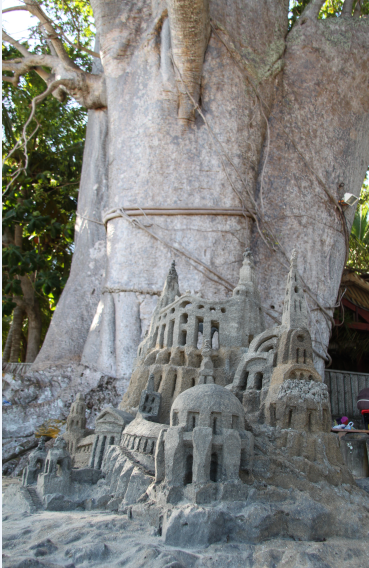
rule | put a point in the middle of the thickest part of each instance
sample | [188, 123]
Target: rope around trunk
[168, 211]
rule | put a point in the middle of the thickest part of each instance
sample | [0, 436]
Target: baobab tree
[212, 128]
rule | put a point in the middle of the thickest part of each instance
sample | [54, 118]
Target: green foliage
[333, 8]
[43, 198]
[330, 9]
[296, 9]
[359, 238]
[74, 22]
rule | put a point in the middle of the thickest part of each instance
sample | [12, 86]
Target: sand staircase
[36, 501]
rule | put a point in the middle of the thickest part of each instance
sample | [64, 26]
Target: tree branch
[54, 85]
[17, 300]
[81, 47]
[24, 140]
[35, 9]
[312, 9]
[88, 89]
[32, 61]
[48, 41]
[347, 8]
[15, 8]
[24, 51]
[29, 63]
[12, 80]
[62, 34]
[59, 34]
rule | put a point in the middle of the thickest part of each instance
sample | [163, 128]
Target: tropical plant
[39, 207]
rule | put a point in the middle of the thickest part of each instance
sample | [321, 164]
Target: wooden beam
[360, 311]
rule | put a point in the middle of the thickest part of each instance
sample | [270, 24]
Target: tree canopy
[40, 184]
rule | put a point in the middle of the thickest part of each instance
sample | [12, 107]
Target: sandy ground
[69, 539]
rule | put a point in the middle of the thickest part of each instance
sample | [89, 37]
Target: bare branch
[35, 101]
[20, 168]
[25, 65]
[48, 41]
[60, 33]
[81, 47]
[12, 80]
[24, 139]
[23, 50]
[312, 9]
[86, 88]
[15, 8]
[33, 61]
[30, 62]
[35, 9]
[39, 70]
[347, 8]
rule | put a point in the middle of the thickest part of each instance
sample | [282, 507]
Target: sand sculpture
[223, 419]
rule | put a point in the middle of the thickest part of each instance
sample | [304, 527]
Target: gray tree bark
[212, 105]
[18, 315]
[27, 305]
[68, 331]
[8, 344]
[32, 309]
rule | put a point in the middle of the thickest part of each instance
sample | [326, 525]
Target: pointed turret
[289, 403]
[249, 301]
[295, 308]
[77, 414]
[171, 287]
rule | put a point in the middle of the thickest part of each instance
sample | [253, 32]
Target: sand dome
[199, 405]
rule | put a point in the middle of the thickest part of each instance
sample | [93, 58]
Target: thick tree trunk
[318, 142]
[68, 331]
[33, 312]
[34, 332]
[8, 344]
[74, 313]
[30, 308]
[28, 304]
[18, 315]
[276, 145]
